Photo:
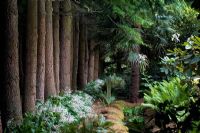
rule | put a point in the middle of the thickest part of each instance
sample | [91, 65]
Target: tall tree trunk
[65, 46]
[81, 61]
[56, 44]
[10, 89]
[86, 54]
[91, 61]
[96, 64]
[22, 44]
[135, 84]
[41, 50]
[75, 52]
[1, 130]
[50, 89]
[31, 57]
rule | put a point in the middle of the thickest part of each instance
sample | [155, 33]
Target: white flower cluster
[167, 60]
[71, 107]
[190, 42]
[82, 105]
[175, 37]
[142, 58]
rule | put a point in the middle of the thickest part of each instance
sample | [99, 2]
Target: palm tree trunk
[135, 76]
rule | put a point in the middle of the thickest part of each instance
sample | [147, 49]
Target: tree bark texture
[31, 57]
[75, 52]
[91, 61]
[50, 89]
[96, 64]
[65, 46]
[41, 50]
[81, 62]
[135, 84]
[10, 89]
[56, 44]
[86, 54]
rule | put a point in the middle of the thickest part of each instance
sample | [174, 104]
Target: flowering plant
[55, 113]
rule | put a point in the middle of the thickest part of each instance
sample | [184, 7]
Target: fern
[170, 98]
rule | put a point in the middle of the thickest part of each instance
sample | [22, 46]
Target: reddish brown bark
[41, 50]
[96, 64]
[135, 84]
[86, 54]
[91, 61]
[75, 52]
[56, 44]
[81, 63]
[31, 57]
[10, 88]
[65, 46]
[50, 89]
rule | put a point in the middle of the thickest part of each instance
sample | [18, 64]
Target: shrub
[56, 112]
[172, 101]
[134, 119]
[94, 88]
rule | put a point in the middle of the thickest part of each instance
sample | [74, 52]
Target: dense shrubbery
[183, 60]
[176, 100]
[173, 102]
[102, 89]
[56, 113]
[134, 119]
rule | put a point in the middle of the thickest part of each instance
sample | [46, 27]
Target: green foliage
[183, 60]
[113, 82]
[134, 118]
[55, 113]
[140, 59]
[37, 123]
[172, 100]
[94, 88]
[110, 82]
[165, 96]
[107, 100]
[145, 80]
[89, 125]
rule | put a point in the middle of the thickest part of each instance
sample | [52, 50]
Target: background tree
[65, 46]
[41, 50]
[50, 88]
[31, 57]
[129, 23]
[10, 90]
[91, 61]
[56, 43]
[82, 55]
[75, 51]
[96, 63]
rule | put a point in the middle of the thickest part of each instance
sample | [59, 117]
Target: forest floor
[114, 114]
